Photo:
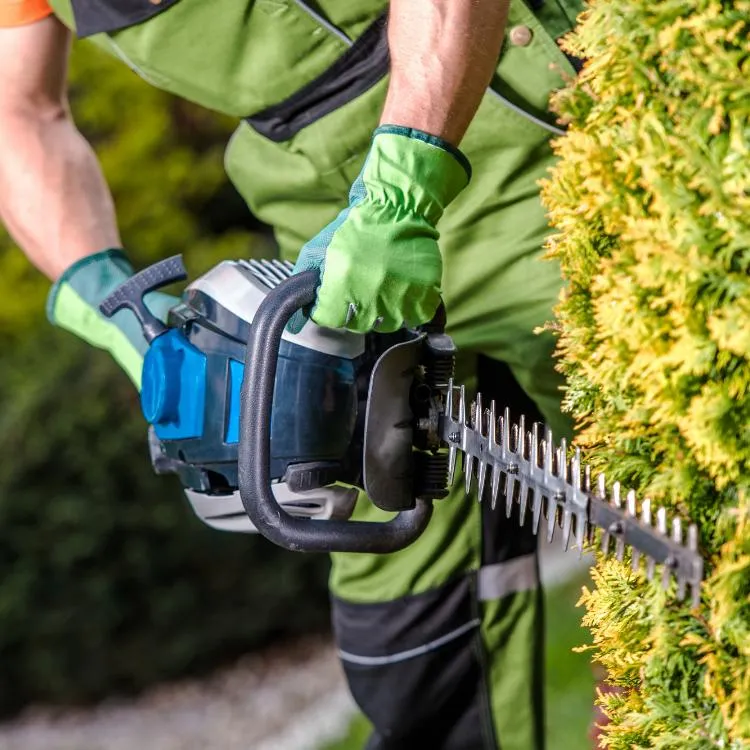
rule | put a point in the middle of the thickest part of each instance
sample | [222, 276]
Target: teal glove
[73, 304]
[379, 260]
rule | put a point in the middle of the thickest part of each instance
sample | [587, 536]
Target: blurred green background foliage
[109, 583]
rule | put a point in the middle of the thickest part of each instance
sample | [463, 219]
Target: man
[441, 643]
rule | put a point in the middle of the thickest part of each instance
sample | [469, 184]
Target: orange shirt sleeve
[19, 12]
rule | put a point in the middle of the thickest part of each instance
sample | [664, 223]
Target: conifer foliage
[651, 206]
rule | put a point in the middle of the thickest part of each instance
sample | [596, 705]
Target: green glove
[73, 304]
[379, 260]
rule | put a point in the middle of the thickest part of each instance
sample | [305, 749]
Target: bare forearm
[443, 54]
[53, 197]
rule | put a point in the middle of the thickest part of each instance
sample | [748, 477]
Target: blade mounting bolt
[454, 437]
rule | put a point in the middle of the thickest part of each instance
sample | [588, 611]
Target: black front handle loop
[297, 534]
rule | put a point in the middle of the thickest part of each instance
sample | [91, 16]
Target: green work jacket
[307, 82]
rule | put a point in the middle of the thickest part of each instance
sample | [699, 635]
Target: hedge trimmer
[276, 432]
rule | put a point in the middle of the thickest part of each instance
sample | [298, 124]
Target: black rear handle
[297, 534]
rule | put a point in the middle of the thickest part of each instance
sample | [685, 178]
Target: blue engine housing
[192, 377]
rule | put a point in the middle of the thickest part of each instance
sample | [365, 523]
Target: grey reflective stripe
[527, 115]
[511, 577]
[323, 21]
[374, 661]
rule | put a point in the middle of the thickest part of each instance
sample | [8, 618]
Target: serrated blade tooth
[601, 491]
[468, 461]
[478, 414]
[575, 469]
[481, 479]
[510, 478]
[523, 498]
[693, 538]
[551, 518]
[580, 517]
[549, 453]
[620, 549]
[661, 526]
[646, 518]
[616, 499]
[677, 537]
[536, 509]
[510, 486]
[449, 400]
[495, 486]
[452, 455]
[492, 433]
[617, 502]
[452, 449]
[492, 448]
[567, 522]
[506, 431]
[661, 521]
[646, 511]
[677, 530]
[521, 440]
[632, 511]
[468, 472]
[635, 563]
[510, 491]
[589, 530]
[693, 547]
[665, 576]
[631, 501]
[681, 587]
[564, 460]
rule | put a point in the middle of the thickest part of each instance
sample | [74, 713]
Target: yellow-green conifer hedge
[651, 205]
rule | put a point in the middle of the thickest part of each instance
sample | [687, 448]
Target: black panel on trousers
[434, 698]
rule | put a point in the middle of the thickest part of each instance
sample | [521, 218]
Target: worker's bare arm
[53, 197]
[443, 54]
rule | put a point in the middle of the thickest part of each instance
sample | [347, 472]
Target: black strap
[365, 63]
[98, 16]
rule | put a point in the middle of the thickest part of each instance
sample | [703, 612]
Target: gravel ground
[287, 698]
[247, 706]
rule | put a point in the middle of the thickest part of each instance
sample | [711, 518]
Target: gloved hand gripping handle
[297, 534]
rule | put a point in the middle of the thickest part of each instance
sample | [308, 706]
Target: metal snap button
[520, 36]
